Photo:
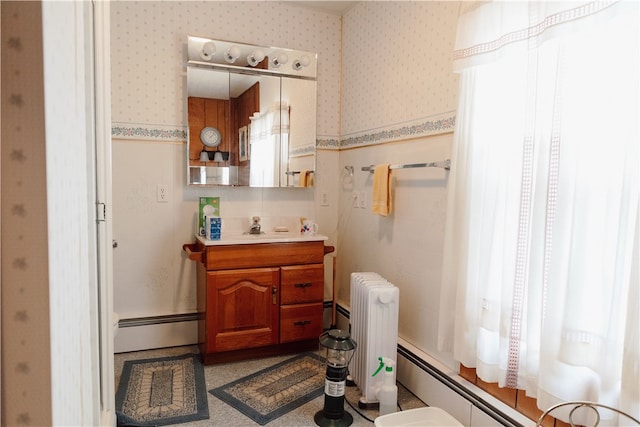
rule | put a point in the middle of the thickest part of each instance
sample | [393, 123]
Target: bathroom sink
[267, 235]
[235, 231]
[239, 238]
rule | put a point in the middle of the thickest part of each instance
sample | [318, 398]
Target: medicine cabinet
[251, 114]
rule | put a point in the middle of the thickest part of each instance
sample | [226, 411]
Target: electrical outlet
[362, 202]
[162, 193]
[354, 198]
[324, 198]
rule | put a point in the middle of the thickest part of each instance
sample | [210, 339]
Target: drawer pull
[302, 285]
[302, 322]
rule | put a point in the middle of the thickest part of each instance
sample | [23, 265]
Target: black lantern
[339, 349]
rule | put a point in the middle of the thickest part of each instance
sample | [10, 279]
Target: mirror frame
[232, 161]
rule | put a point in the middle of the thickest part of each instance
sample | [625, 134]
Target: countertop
[268, 237]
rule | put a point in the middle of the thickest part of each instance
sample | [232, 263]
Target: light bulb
[299, 64]
[232, 54]
[208, 49]
[255, 57]
[282, 58]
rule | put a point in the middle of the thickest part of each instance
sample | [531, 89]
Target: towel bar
[446, 164]
[296, 172]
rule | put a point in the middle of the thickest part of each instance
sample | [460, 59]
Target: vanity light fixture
[215, 156]
[255, 57]
[232, 54]
[208, 49]
[299, 64]
[204, 155]
[280, 59]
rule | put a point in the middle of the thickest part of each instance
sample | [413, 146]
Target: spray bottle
[388, 393]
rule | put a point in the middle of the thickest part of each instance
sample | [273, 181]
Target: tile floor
[221, 414]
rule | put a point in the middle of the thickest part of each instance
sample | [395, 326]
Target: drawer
[300, 322]
[223, 257]
[301, 283]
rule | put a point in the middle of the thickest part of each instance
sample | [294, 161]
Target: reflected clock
[210, 136]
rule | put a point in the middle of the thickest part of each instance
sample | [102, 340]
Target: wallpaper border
[148, 132]
[428, 126]
[303, 151]
[328, 142]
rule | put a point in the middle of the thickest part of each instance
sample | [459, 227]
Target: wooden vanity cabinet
[245, 308]
[257, 300]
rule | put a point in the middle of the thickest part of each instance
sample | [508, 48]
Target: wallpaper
[25, 301]
[398, 107]
[148, 43]
[396, 87]
[396, 71]
[384, 74]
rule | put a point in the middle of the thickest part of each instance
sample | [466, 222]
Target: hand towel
[303, 179]
[381, 202]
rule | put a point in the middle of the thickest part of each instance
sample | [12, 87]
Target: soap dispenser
[387, 393]
[255, 226]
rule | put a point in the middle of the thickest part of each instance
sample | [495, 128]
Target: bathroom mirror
[251, 115]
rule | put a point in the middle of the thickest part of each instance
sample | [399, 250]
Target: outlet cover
[354, 198]
[324, 198]
[162, 193]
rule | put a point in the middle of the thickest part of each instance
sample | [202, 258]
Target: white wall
[395, 102]
[398, 106]
[393, 99]
[152, 277]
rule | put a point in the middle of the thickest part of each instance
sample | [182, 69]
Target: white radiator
[374, 327]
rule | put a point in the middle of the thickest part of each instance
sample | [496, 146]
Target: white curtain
[540, 274]
[269, 134]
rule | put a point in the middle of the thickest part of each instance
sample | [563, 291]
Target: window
[540, 276]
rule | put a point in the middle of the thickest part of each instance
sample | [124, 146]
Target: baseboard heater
[170, 318]
[157, 320]
[445, 379]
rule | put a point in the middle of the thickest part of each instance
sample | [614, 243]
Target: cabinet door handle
[302, 322]
[302, 285]
[274, 291]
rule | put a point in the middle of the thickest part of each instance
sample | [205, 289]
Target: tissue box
[213, 228]
[209, 206]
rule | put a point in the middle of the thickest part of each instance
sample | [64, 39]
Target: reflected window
[269, 135]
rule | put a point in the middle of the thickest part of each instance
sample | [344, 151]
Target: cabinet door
[242, 308]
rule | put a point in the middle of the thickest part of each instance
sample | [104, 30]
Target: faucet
[255, 227]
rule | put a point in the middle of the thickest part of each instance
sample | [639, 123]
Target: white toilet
[419, 417]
